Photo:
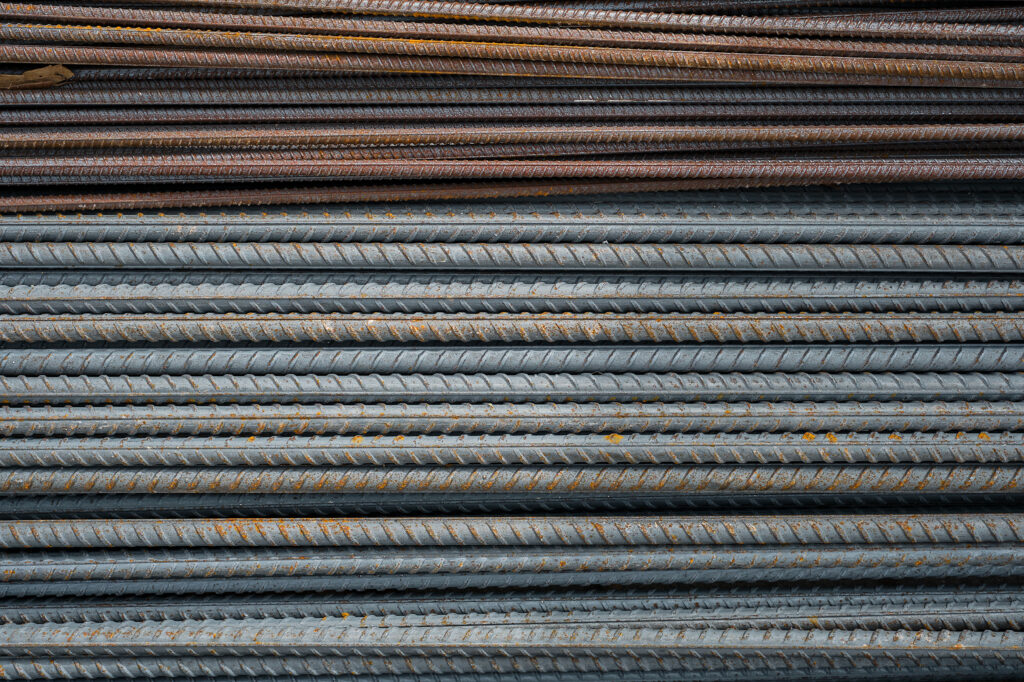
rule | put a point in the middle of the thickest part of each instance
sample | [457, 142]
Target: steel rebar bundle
[519, 341]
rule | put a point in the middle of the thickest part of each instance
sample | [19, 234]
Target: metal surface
[575, 341]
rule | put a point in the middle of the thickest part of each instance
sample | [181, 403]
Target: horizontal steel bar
[917, 214]
[484, 256]
[76, 292]
[699, 480]
[47, 506]
[803, 447]
[968, 607]
[577, 137]
[324, 89]
[140, 360]
[320, 165]
[496, 388]
[240, 571]
[594, 531]
[691, 113]
[484, 418]
[514, 328]
[333, 636]
[730, 666]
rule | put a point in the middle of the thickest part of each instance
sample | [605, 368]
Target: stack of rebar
[752, 409]
[214, 102]
[752, 435]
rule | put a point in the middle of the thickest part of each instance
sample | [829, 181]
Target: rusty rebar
[369, 27]
[656, 21]
[498, 418]
[306, 165]
[894, 70]
[582, 136]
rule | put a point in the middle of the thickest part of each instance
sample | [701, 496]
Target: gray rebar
[730, 666]
[239, 571]
[71, 292]
[334, 636]
[804, 447]
[516, 328]
[485, 418]
[755, 257]
[967, 607]
[140, 360]
[945, 214]
[579, 481]
[594, 531]
[490, 388]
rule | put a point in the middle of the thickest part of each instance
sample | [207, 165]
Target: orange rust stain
[809, 436]
[613, 438]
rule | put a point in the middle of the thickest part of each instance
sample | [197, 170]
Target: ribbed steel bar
[916, 214]
[508, 359]
[622, 418]
[244, 570]
[583, 136]
[595, 531]
[369, 27]
[333, 636]
[578, 481]
[967, 607]
[363, 63]
[804, 447]
[118, 292]
[731, 666]
[488, 388]
[897, 71]
[964, 615]
[539, 14]
[943, 15]
[133, 199]
[484, 256]
[287, 505]
[517, 328]
[324, 89]
[584, 112]
[321, 165]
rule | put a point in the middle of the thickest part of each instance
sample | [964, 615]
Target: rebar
[590, 257]
[545, 480]
[486, 388]
[485, 450]
[206, 571]
[484, 418]
[509, 359]
[598, 531]
[516, 328]
[405, 415]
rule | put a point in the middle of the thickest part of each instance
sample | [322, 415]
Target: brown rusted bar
[657, 21]
[585, 137]
[894, 70]
[365, 26]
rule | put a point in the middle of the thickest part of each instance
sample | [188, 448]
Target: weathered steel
[490, 388]
[485, 450]
[484, 418]
[578, 481]
[596, 531]
[590, 257]
[141, 360]
[517, 328]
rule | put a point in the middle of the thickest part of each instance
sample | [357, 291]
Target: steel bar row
[510, 359]
[623, 418]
